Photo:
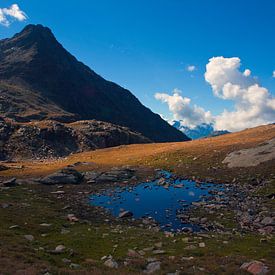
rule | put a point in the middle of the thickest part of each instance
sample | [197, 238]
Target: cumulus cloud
[7, 15]
[191, 68]
[273, 74]
[182, 109]
[253, 104]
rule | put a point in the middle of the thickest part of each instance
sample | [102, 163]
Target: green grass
[94, 240]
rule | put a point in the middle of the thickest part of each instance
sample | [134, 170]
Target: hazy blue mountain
[200, 131]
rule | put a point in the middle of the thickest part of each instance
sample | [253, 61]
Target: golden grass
[155, 154]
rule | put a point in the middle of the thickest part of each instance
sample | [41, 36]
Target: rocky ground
[66, 234]
[51, 139]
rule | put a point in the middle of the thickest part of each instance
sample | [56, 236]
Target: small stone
[186, 239]
[60, 248]
[29, 237]
[72, 218]
[14, 226]
[64, 231]
[132, 253]
[125, 214]
[66, 261]
[5, 205]
[111, 263]
[187, 258]
[75, 266]
[158, 252]
[158, 245]
[190, 247]
[141, 253]
[201, 245]
[146, 249]
[178, 186]
[152, 267]
[45, 224]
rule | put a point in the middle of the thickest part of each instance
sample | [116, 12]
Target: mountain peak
[49, 79]
[35, 27]
[35, 33]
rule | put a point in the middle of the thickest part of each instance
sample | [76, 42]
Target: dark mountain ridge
[40, 80]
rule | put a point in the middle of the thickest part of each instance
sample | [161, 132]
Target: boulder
[111, 263]
[115, 175]
[255, 267]
[9, 183]
[125, 214]
[3, 167]
[64, 176]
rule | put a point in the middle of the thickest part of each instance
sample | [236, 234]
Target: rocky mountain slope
[40, 80]
[46, 139]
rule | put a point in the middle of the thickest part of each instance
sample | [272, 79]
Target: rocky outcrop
[46, 139]
[252, 156]
[114, 175]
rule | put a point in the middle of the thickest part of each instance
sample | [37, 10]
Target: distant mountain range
[200, 131]
[40, 80]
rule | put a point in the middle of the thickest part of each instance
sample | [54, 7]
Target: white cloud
[7, 15]
[273, 74]
[253, 104]
[220, 71]
[181, 108]
[191, 68]
[247, 72]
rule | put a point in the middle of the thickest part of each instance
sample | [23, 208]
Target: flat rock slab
[252, 156]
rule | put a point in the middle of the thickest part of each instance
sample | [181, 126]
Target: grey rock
[152, 267]
[4, 205]
[158, 252]
[125, 214]
[29, 237]
[111, 263]
[255, 268]
[65, 176]
[75, 266]
[60, 248]
[10, 183]
[267, 221]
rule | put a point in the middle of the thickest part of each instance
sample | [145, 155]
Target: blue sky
[146, 46]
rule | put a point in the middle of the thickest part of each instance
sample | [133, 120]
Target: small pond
[163, 199]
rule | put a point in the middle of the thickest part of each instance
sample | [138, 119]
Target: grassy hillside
[200, 158]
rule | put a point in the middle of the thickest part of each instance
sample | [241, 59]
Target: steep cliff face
[40, 80]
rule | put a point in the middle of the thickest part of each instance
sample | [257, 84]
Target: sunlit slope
[201, 158]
